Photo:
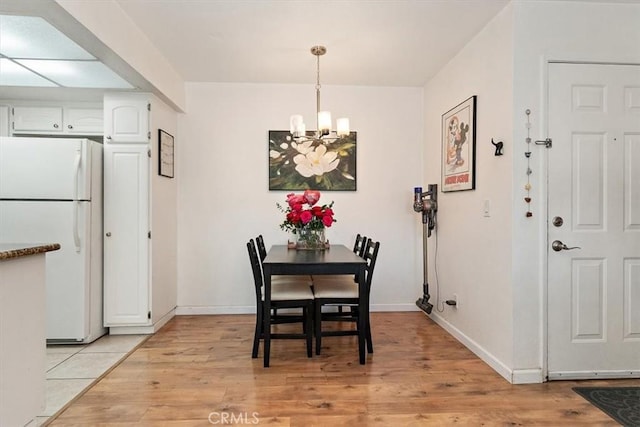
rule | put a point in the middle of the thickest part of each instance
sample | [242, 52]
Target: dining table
[335, 259]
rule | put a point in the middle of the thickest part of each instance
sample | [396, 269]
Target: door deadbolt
[557, 221]
[558, 246]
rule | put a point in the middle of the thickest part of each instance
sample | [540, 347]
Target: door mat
[620, 403]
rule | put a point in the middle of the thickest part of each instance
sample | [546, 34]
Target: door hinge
[149, 315]
[546, 142]
[149, 234]
[149, 135]
[149, 153]
[148, 106]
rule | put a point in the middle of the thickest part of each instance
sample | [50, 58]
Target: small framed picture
[165, 154]
[459, 147]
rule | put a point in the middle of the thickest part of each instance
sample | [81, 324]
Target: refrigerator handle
[76, 207]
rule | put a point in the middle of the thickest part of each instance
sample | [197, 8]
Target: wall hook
[499, 145]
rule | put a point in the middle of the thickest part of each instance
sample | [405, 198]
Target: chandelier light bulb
[324, 122]
[297, 127]
[342, 126]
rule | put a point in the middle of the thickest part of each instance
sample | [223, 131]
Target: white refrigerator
[51, 192]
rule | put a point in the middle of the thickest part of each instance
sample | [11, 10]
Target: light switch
[487, 208]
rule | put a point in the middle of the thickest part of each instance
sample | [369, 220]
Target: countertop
[17, 250]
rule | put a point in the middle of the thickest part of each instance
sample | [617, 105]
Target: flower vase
[307, 239]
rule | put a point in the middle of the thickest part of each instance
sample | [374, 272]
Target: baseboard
[142, 330]
[189, 310]
[484, 355]
[393, 307]
[527, 376]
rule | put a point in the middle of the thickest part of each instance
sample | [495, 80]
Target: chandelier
[323, 119]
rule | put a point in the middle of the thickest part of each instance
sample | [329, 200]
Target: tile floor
[73, 368]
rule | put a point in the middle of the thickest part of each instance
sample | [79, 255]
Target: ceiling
[369, 42]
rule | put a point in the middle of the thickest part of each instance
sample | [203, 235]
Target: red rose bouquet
[303, 212]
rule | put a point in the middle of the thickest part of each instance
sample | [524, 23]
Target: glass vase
[307, 239]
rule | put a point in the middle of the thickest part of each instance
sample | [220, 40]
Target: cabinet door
[37, 120]
[126, 120]
[126, 241]
[84, 121]
[4, 120]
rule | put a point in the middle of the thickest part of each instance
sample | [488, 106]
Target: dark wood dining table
[337, 259]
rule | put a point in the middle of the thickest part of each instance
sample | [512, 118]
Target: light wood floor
[198, 371]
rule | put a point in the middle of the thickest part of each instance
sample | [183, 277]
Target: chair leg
[318, 325]
[369, 342]
[258, 332]
[308, 312]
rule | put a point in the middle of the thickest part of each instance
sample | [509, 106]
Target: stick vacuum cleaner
[427, 204]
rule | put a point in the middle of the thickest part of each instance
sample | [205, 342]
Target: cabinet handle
[108, 137]
[55, 125]
[69, 126]
[108, 234]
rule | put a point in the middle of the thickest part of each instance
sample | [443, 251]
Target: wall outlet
[453, 301]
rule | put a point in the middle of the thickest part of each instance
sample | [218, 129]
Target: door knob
[558, 246]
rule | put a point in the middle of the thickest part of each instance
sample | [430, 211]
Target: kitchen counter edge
[17, 250]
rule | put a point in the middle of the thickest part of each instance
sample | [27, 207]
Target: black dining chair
[358, 248]
[283, 295]
[342, 290]
[262, 253]
[275, 280]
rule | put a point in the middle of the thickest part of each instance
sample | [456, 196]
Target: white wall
[164, 216]
[500, 269]
[473, 251]
[223, 197]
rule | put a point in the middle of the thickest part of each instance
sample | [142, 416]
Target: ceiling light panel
[34, 38]
[79, 74]
[12, 74]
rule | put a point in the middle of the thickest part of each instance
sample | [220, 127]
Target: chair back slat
[360, 245]
[255, 268]
[262, 250]
[370, 255]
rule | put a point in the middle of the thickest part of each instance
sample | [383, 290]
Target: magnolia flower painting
[311, 165]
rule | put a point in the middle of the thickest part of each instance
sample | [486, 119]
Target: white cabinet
[23, 353]
[37, 120]
[140, 218]
[83, 121]
[126, 119]
[127, 238]
[5, 127]
[57, 120]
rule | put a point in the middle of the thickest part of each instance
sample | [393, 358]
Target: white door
[126, 241]
[594, 205]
